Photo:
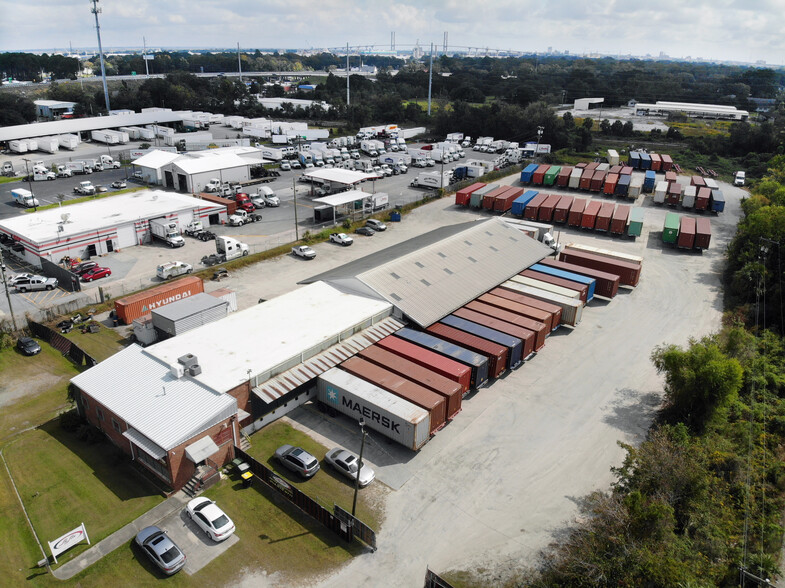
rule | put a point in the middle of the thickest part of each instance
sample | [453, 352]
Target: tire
[23, 289]
[50, 287]
[245, 253]
[189, 271]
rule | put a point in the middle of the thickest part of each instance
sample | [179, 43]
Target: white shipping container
[575, 178]
[103, 136]
[32, 144]
[68, 141]
[659, 192]
[688, 199]
[636, 187]
[637, 259]
[572, 309]
[534, 283]
[48, 144]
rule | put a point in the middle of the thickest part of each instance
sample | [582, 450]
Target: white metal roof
[142, 391]
[338, 176]
[197, 165]
[101, 214]
[54, 103]
[282, 331]
[342, 197]
[144, 443]
[156, 159]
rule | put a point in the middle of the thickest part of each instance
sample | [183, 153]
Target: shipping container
[613, 156]
[132, 307]
[576, 212]
[649, 181]
[418, 395]
[615, 169]
[670, 230]
[547, 286]
[702, 233]
[571, 308]
[533, 207]
[656, 162]
[514, 345]
[563, 179]
[667, 162]
[597, 180]
[504, 202]
[623, 185]
[477, 362]
[382, 412]
[589, 216]
[611, 181]
[634, 160]
[688, 198]
[581, 164]
[645, 161]
[519, 204]
[525, 335]
[545, 212]
[547, 314]
[231, 205]
[620, 218]
[462, 196]
[711, 184]
[514, 313]
[607, 283]
[575, 178]
[592, 165]
[717, 201]
[673, 194]
[686, 239]
[562, 209]
[496, 354]
[660, 192]
[487, 199]
[475, 198]
[444, 387]
[580, 288]
[636, 187]
[635, 227]
[590, 283]
[528, 172]
[626, 170]
[604, 216]
[538, 177]
[586, 176]
[697, 181]
[603, 167]
[671, 177]
[551, 175]
[451, 369]
[629, 273]
[610, 253]
[702, 199]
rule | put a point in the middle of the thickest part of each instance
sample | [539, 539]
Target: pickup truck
[304, 251]
[85, 188]
[341, 239]
[35, 283]
[241, 217]
[173, 269]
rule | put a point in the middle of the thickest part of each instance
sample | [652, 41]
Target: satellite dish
[155, 196]
[65, 216]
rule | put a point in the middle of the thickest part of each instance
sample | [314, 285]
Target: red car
[95, 273]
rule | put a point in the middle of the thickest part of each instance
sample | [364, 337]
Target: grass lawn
[100, 345]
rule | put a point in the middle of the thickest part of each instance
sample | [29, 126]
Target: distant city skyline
[722, 30]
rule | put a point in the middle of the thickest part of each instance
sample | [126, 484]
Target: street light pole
[540, 131]
[7, 295]
[359, 467]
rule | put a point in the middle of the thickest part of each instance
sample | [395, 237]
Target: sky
[746, 31]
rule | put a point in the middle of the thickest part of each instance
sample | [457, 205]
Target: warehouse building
[103, 225]
[52, 109]
[716, 111]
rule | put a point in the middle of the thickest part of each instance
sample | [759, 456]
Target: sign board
[148, 57]
[67, 541]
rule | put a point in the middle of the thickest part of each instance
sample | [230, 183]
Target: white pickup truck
[304, 251]
[173, 269]
[341, 239]
[85, 188]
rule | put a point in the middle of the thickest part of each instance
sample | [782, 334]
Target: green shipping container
[670, 232]
[551, 175]
[635, 227]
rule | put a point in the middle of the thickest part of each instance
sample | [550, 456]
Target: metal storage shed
[189, 313]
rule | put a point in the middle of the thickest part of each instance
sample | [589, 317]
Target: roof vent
[187, 360]
[195, 370]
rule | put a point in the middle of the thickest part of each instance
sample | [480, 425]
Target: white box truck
[24, 198]
[166, 230]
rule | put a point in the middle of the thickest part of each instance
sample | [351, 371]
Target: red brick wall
[105, 425]
[243, 394]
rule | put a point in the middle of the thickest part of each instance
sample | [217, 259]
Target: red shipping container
[463, 195]
[656, 161]
[137, 305]
[629, 273]
[616, 169]
[667, 162]
[401, 387]
[538, 177]
[586, 177]
[551, 313]
[589, 216]
[702, 199]
[563, 179]
[503, 203]
[670, 177]
[525, 335]
[620, 218]
[576, 212]
[496, 354]
[562, 209]
[697, 181]
[592, 165]
[487, 200]
[533, 207]
[702, 233]
[545, 214]
[444, 387]
[607, 284]
[583, 289]
[512, 312]
[444, 366]
[686, 239]
[604, 216]
[610, 184]
[231, 205]
[673, 194]
[626, 170]
[597, 180]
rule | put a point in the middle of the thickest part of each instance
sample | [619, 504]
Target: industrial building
[718, 111]
[52, 109]
[103, 225]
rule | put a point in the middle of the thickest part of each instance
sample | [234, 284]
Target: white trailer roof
[279, 333]
[338, 176]
[343, 197]
[156, 159]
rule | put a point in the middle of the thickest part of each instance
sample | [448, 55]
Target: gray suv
[298, 460]
[35, 283]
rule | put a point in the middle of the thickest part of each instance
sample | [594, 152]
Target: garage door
[126, 236]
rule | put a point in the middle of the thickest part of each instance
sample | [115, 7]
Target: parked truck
[79, 167]
[241, 217]
[227, 248]
[167, 230]
[431, 180]
[24, 198]
[85, 188]
[173, 269]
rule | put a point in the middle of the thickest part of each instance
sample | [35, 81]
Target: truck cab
[213, 185]
[229, 248]
[739, 178]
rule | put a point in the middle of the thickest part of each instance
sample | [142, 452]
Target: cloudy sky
[748, 30]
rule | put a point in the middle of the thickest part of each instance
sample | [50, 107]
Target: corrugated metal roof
[142, 391]
[343, 198]
[156, 159]
[338, 176]
[144, 443]
[189, 306]
[327, 359]
[198, 165]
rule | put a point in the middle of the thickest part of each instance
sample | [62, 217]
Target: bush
[89, 434]
[70, 420]
[6, 340]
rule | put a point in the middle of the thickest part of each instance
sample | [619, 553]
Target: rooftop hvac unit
[195, 370]
[188, 360]
[177, 370]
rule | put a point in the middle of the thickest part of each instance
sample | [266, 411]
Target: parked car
[286, 166]
[36, 283]
[137, 175]
[96, 273]
[376, 225]
[210, 519]
[161, 549]
[28, 346]
[82, 267]
[298, 460]
[304, 251]
[341, 239]
[99, 189]
[296, 165]
[345, 462]
[119, 184]
[367, 231]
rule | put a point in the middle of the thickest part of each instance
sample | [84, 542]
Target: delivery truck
[167, 230]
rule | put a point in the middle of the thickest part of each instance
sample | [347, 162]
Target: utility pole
[7, 295]
[296, 228]
[359, 467]
[144, 58]
[95, 10]
[347, 74]
[430, 81]
[239, 64]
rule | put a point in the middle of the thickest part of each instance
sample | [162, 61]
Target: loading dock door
[168, 179]
[183, 182]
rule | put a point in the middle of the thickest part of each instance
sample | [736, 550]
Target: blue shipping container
[528, 172]
[717, 201]
[560, 273]
[645, 161]
[623, 185]
[635, 160]
[514, 345]
[478, 363]
[519, 204]
[649, 180]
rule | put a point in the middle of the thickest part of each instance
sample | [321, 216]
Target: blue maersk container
[635, 160]
[623, 185]
[564, 274]
[717, 201]
[514, 345]
[478, 363]
[649, 180]
[645, 161]
[527, 173]
[519, 204]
